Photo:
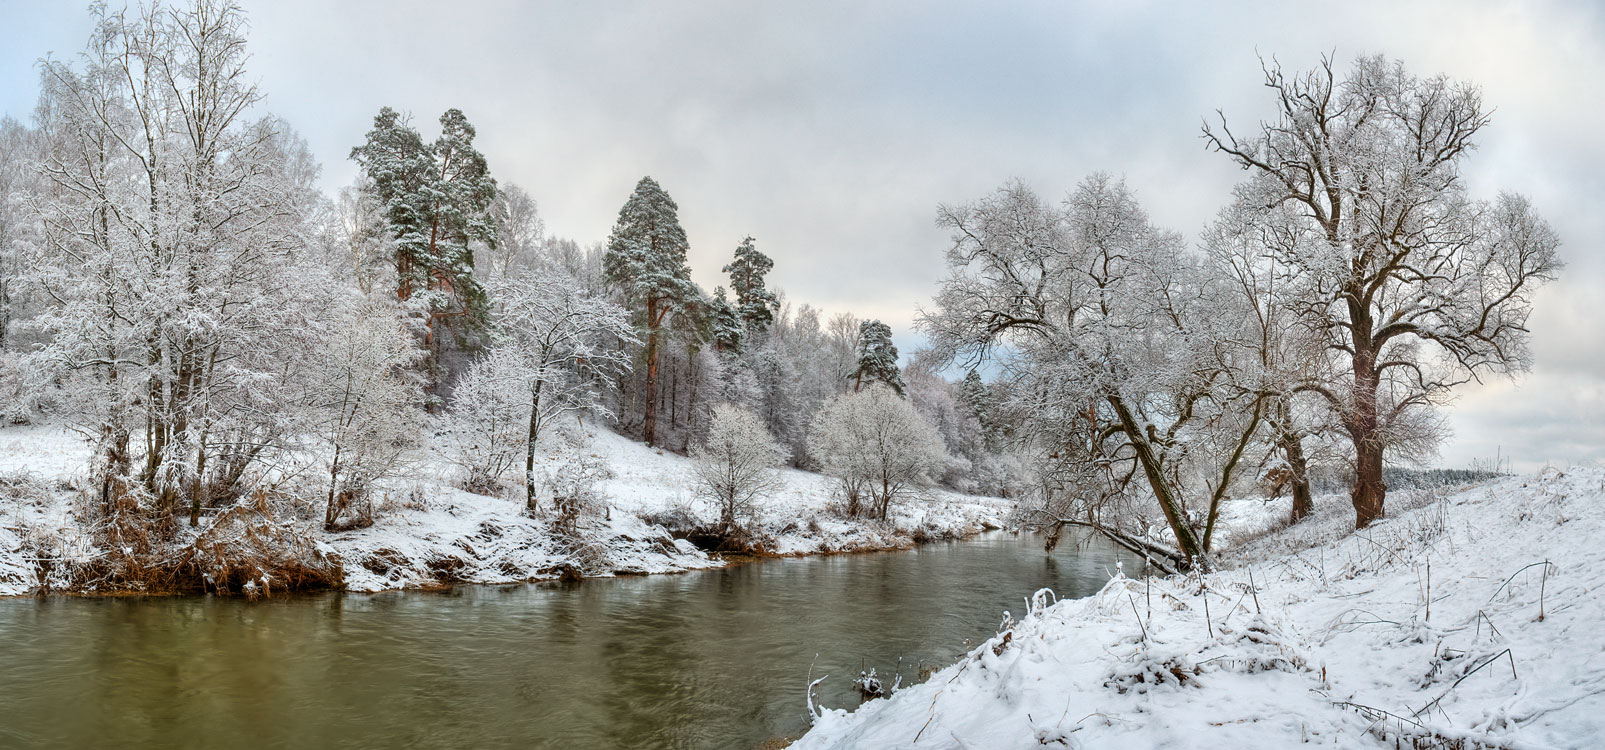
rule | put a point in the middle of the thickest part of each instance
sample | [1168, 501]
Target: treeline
[174, 285]
[1349, 285]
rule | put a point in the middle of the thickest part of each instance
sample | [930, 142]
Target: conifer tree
[727, 330]
[436, 199]
[646, 258]
[755, 304]
[877, 357]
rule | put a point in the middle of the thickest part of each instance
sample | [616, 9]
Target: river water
[709, 659]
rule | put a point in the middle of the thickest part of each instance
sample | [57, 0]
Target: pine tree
[727, 330]
[436, 200]
[974, 396]
[877, 357]
[646, 257]
[755, 304]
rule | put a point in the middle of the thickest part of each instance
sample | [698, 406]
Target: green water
[713, 659]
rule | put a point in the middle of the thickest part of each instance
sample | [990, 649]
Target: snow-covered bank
[1470, 621]
[429, 533]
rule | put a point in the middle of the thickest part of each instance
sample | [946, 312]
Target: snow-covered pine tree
[646, 259]
[755, 304]
[437, 199]
[727, 330]
[877, 357]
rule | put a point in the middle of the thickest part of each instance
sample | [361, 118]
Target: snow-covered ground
[427, 532]
[1468, 619]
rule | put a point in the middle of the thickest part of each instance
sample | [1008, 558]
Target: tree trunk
[1298, 467]
[1369, 490]
[1363, 427]
[651, 415]
[1186, 541]
[529, 454]
[331, 513]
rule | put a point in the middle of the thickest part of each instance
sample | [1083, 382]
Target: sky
[830, 131]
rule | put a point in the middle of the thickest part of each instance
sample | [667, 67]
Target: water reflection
[704, 660]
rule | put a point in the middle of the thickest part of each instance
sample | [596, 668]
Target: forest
[236, 345]
[386, 459]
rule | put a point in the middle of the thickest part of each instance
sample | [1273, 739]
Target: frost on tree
[646, 259]
[436, 199]
[1119, 346]
[1415, 286]
[736, 465]
[877, 357]
[878, 446]
[175, 254]
[367, 400]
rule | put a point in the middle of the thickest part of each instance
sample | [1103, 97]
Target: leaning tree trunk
[1191, 548]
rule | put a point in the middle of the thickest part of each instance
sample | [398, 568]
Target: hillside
[429, 533]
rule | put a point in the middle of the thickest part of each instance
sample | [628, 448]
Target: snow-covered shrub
[485, 429]
[878, 446]
[370, 409]
[735, 465]
[17, 399]
[572, 488]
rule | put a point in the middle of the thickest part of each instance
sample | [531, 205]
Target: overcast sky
[830, 132]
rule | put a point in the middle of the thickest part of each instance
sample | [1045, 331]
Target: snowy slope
[429, 533]
[1346, 642]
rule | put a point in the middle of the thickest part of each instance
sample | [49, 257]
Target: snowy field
[1469, 620]
[429, 533]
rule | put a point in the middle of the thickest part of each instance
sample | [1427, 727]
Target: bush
[735, 465]
[878, 446]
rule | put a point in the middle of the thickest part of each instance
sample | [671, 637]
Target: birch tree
[736, 464]
[875, 442]
[170, 256]
[562, 343]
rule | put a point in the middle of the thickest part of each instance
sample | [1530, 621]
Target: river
[710, 659]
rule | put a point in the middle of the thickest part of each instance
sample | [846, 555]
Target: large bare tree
[1116, 338]
[1414, 286]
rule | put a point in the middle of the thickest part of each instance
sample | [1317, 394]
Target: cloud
[830, 131]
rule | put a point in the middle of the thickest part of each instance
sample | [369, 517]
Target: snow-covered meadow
[1467, 619]
[427, 532]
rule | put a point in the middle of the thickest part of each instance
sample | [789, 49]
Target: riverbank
[1470, 620]
[428, 533]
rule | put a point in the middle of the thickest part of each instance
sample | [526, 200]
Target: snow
[1440, 624]
[428, 533]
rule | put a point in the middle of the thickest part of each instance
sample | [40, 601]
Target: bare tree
[736, 464]
[1415, 287]
[875, 442]
[1118, 344]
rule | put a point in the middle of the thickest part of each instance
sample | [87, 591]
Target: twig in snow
[1139, 617]
[1207, 622]
[1513, 577]
[1541, 583]
[1484, 617]
[1255, 591]
[928, 719]
[1469, 673]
